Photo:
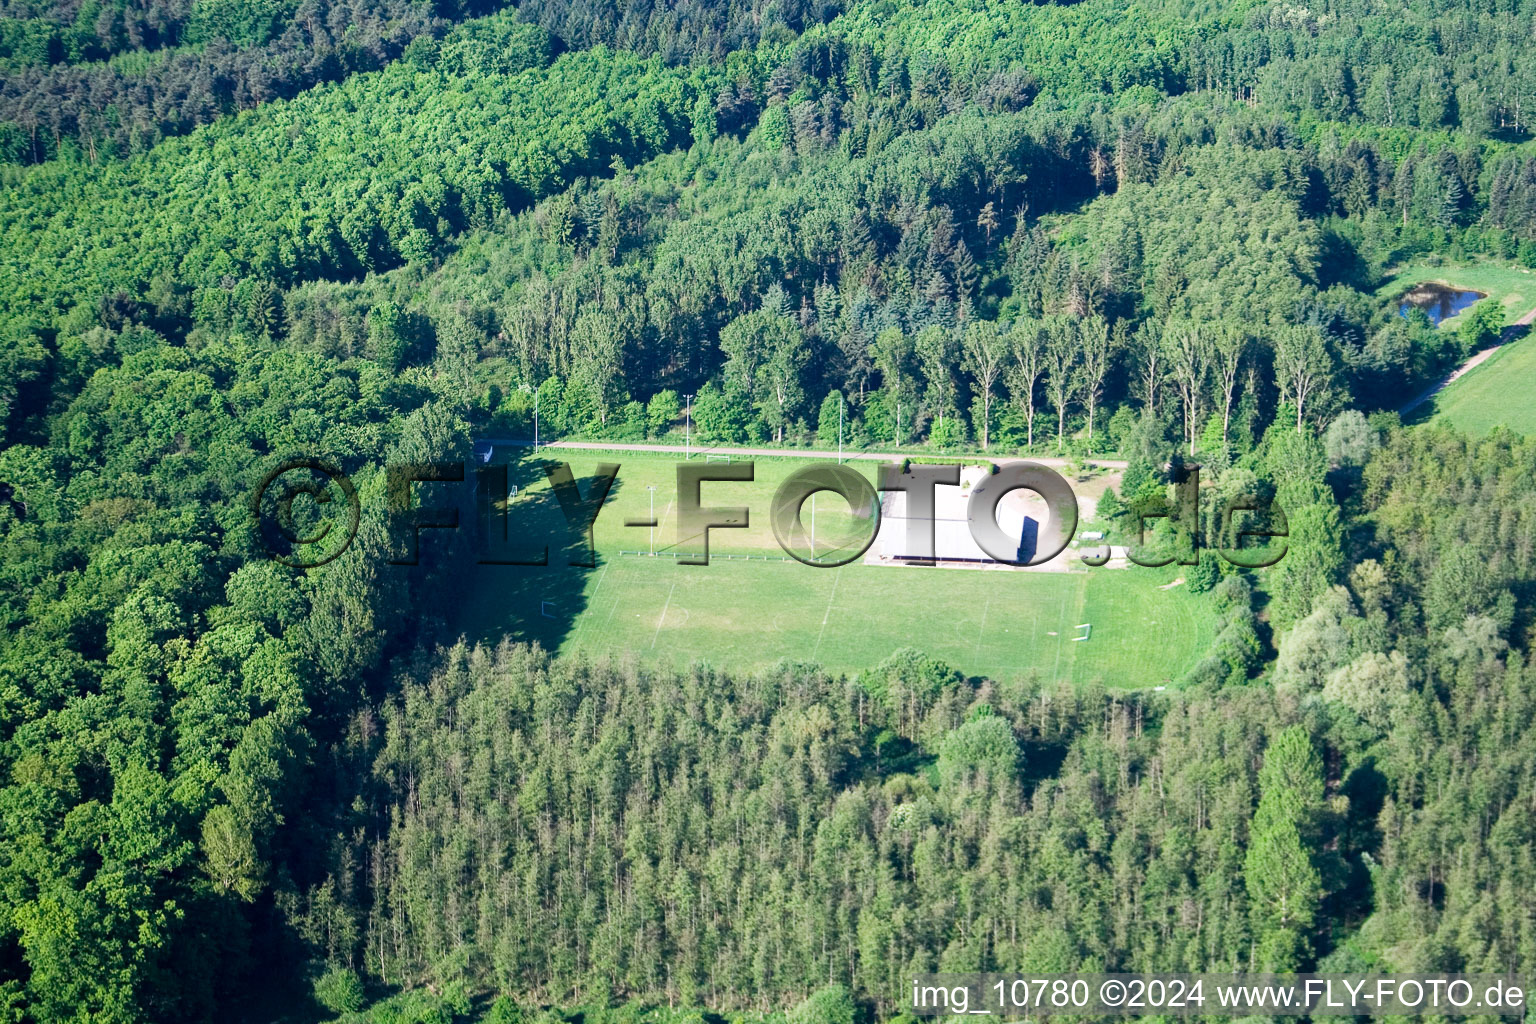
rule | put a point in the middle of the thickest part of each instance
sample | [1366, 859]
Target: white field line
[982, 632]
[663, 616]
[828, 613]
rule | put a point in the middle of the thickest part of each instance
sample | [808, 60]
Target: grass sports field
[751, 606]
[1496, 392]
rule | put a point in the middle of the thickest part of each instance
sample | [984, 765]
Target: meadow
[1496, 392]
[753, 605]
[1512, 287]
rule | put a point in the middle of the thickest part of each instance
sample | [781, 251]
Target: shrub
[830, 1004]
[340, 990]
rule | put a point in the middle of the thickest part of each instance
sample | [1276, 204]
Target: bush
[632, 423]
[1350, 439]
[1234, 591]
[1481, 326]
[983, 747]
[1204, 574]
[830, 419]
[945, 434]
[340, 990]
[663, 410]
[830, 1004]
[504, 1011]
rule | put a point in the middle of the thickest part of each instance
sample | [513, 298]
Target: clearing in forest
[752, 605]
[1494, 387]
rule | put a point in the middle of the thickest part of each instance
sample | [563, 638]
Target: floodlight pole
[652, 489]
[813, 525]
[839, 430]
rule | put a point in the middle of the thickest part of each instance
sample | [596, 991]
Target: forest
[1159, 232]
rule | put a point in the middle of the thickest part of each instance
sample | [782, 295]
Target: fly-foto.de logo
[910, 492]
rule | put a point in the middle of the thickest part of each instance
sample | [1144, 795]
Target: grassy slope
[1495, 394]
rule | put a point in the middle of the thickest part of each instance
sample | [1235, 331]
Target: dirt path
[792, 453]
[1509, 334]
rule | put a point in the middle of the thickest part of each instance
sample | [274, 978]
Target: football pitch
[752, 606]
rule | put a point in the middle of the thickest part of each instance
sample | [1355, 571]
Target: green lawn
[1512, 287]
[750, 612]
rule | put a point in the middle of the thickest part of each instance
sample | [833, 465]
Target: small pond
[1438, 300]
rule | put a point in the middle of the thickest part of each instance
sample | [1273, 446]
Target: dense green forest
[372, 232]
[88, 81]
[92, 80]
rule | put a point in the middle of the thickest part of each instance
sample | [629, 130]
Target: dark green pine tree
[1283, 883]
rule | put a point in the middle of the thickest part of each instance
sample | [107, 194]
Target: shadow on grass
[531, 603]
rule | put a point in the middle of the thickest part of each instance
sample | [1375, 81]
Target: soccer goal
[547, 609]
[1086, 627]
[717, 458]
